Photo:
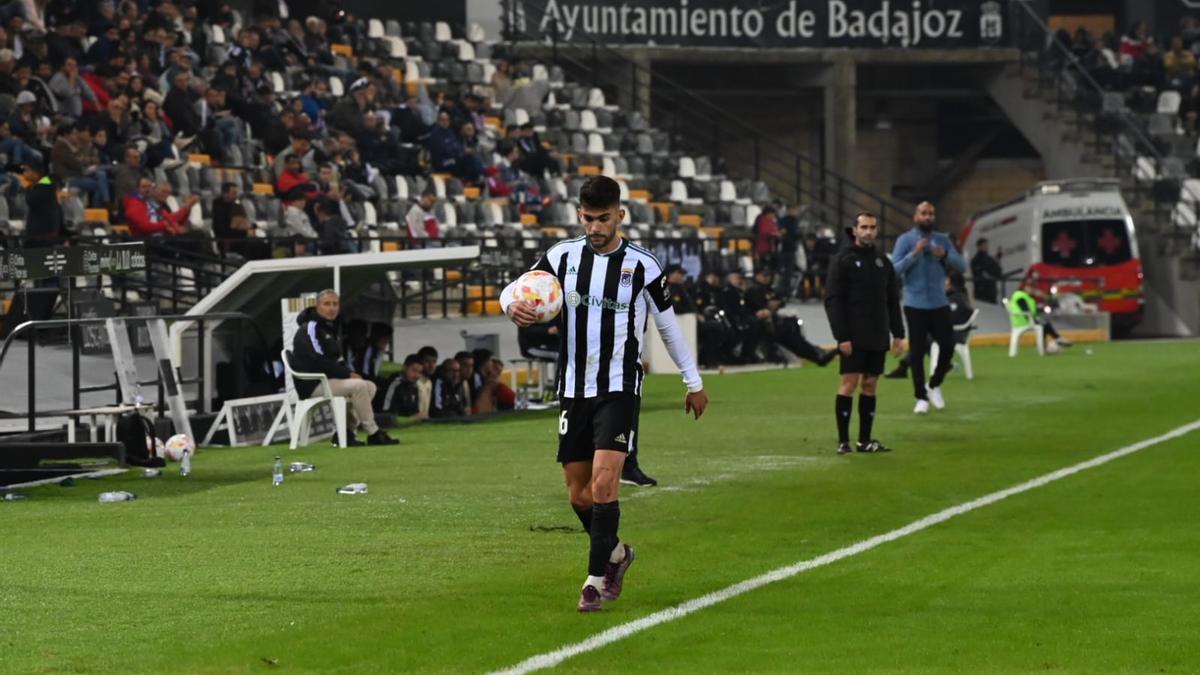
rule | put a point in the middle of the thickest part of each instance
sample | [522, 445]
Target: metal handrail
[717, 114]
[77, 389]
[1147, 144]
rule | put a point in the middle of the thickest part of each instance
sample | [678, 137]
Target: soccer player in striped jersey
[610, 287]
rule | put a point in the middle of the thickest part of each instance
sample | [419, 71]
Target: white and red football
[540, 289]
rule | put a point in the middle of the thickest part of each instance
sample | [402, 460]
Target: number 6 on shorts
[562, 424]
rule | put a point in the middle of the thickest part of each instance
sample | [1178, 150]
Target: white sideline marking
[622, 631]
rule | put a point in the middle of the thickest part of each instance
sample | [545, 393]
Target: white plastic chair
[336, 88]
[301, 421]
[595, 98]
[962, 350]
[1169, 101]
[374, 29]
[441, 32]
[687, 167]
[1014, 338]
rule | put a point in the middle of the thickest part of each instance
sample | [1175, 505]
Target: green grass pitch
[465, 557]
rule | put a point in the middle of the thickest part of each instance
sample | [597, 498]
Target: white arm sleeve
[677, 347]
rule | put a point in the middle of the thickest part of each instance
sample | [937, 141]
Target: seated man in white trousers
[317, 349]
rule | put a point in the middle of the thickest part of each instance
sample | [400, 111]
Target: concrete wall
[992, 182]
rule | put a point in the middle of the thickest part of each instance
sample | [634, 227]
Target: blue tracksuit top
[924, 275]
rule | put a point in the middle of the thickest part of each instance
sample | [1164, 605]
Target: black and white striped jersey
[606, 301]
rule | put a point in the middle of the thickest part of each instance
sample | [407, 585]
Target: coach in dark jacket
[862, 300]
[317, 349]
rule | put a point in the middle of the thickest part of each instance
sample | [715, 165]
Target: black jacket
[317, 349]
[44, 219]
[759, 296]
[862, 299]
[681, 299]
[733, 301]
[447, 399]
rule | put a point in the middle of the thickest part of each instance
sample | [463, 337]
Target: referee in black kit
[862, 300]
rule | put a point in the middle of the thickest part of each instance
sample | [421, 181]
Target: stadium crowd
[96, 97]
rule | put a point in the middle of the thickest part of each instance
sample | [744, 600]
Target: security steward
[713, 331]
[745, 330]
[862, 301]
[779, 330]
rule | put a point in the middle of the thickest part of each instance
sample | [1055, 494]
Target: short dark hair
[380, 329]
[599, 192]
[463, 354]
[226, 187]
[426, 352]
[412, 360]
[982, 241]
[865, 214]
[482, 356]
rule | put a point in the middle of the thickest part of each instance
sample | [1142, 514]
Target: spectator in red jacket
[146, 216]
[293, 176]
[766, 235]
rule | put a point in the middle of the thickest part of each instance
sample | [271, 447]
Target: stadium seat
[687, 167]
[302, 409]
[375, 29]
[1168, 102]
[441, 32]
[1014, 337]
[336, 88]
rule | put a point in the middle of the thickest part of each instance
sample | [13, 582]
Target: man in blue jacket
[922, 258]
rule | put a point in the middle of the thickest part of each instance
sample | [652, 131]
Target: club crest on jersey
[878, 262]
[627, 276]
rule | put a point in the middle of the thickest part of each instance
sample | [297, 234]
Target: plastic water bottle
[277, 473]
[301, 467]
[185, 463]
[118, 496]
[14, 496]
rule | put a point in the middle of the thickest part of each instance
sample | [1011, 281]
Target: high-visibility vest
[1018, 316]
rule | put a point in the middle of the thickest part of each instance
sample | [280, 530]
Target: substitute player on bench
[610, 286]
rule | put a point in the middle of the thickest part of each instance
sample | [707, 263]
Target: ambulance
[1067, 236]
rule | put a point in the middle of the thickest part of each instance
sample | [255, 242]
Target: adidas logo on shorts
[619, 439]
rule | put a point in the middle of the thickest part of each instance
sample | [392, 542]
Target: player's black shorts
[865, 361]
[606, 422]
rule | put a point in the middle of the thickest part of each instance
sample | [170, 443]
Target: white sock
[618, 553]
[595, 582]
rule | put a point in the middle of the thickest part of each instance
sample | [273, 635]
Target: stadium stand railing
[1152, 162]
[686, 141]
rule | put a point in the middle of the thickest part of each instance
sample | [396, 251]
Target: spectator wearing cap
[422, 220]
[44, 220]
[448, 154]
[70, 91]
[348, 114]
[23, 125]
[146, 216]
[76, 163]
